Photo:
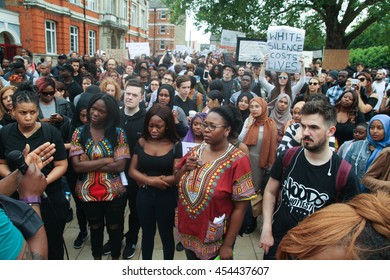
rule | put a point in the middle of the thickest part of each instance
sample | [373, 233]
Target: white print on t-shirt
[302, 199]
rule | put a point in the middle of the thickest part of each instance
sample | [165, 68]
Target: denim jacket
[357, 156]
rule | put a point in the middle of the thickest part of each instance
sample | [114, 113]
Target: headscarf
[171, 91]
[245, 113]
[279, 116]
[190, 134]
[270, 136]
[379, 145]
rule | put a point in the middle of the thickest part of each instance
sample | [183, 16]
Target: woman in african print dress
[215, 187]
[99, 151]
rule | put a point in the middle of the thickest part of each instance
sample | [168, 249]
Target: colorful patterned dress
[209, 192]
[99, 186]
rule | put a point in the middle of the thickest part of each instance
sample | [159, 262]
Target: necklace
[28, 134]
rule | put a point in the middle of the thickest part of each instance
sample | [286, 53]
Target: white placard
[138, 49]
[229, 38]
[251, 51]
[187, 146]
[317, 54]
[285, 47]
[307, 58]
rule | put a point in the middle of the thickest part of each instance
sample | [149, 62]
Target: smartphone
[197, 78]
[53, 115]
[169, 52]
[205, 75]
[354, 81]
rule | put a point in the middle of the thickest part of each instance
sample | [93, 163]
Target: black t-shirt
[307, 188]
[187, 105]
[17, 141]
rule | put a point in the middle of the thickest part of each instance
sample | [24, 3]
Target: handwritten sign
[307, 58]
[250, 50]
[285, 47]
[138, 49]
[229, 38]
[120, 55]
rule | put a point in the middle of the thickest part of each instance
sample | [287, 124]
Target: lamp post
[154, 32]
[85, 28]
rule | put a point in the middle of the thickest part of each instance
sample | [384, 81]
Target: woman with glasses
[282, 85]
[57, 112]
[367, 98]
[314, 86]
[215, 187]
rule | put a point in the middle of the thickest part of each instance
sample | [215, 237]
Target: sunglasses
[48, 93]
[310, 84]
[362, 79]
[283, 77]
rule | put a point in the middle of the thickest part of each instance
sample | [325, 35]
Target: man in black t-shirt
[308, 183]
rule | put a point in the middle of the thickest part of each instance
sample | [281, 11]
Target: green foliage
[339, 21]
[371, 57]
[376, 35]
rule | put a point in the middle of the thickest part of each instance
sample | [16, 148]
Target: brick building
[51, 27]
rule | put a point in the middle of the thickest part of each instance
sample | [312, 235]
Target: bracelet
[34, 199]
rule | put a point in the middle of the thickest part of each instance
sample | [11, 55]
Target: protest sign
[307, 58]
[285, 47]
[186, 147]
[120, 55]
[138, 49]
[335, 59]
[229, 38]
[250, 50]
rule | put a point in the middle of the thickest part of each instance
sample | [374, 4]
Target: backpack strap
[288, 156]
[342, 177]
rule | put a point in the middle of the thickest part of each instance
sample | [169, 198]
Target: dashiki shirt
[207, 192]
[99, 186]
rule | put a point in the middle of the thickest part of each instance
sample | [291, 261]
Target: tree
[342, 20]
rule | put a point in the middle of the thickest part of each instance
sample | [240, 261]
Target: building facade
[84, 26]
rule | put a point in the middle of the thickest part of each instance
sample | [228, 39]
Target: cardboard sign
[285, 47]
[120, 55]
[187, 146]
[250, 50]
[335, 59]
[229, 38]
[138, 49]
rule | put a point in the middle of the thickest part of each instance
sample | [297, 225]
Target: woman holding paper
[282, 85]
[215, 187]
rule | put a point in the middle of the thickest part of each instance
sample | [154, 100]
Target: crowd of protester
[259, 141]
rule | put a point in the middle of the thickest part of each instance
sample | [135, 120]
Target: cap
[62, 56]
[318, 61]
[66, 66]
[18, 57]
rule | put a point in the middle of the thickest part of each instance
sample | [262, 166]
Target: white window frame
[91, 42]
[163, 29]
[125, 10]
[74, 38]
[73, 1]
[91, 5]
[162, 45]
[50, 36]
[133, 19]
[163, 14]
[143, 19]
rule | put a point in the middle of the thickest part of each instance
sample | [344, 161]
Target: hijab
[190, 134]
[245, 113]
[281, 117]
[270, 137]
[171, 91]
[379, 145]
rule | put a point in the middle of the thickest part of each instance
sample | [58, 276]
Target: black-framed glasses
[310, 84]
[212, 127]
[47, 93]
[362, 79]
[283, 77]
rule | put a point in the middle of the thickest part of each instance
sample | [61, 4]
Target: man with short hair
[379, 86]
[110, 67]
[71, 86]
[309, 181]
[246, 85]
[183, 85]
[45, 70]
[334, 92]
[76, 63]
[230, 85]
[169, 78]
[61, 60]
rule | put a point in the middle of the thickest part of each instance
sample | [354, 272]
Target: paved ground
[246, 247]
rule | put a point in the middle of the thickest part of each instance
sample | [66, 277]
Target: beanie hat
[334, 74]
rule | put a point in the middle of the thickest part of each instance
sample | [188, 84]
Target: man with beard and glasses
[308, 182]
[334, 92]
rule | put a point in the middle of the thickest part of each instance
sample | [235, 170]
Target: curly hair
[111, 81]
[361, 227]
[353, 109]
